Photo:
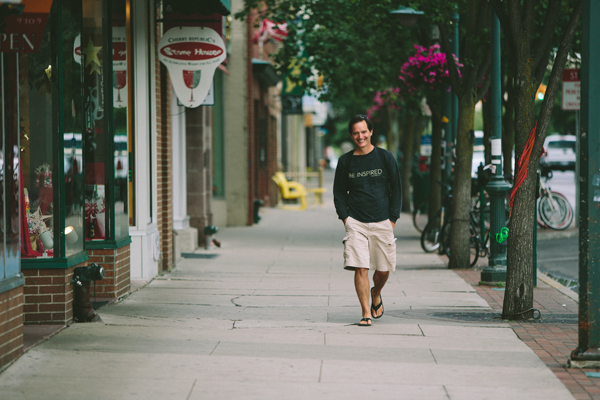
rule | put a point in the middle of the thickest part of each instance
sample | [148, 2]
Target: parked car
[559, 153]
[478, 153]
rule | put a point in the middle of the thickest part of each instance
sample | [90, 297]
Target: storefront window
[121, 118]
[9, 168]
[107, 120]
[50, 106]
[95, 121]
[37, 106]
[72, 133]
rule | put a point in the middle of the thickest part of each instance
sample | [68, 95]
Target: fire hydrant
[82, 307]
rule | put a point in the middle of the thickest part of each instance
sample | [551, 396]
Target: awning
[206, 7]
[265, 72]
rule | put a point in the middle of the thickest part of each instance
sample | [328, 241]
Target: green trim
[54, 263]
[11, 283]
[58, 181]
[109, 124]
[108, 244]
[265, 72]
[218, 135]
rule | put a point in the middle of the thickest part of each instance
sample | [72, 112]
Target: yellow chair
[318, 193]
[291, 190]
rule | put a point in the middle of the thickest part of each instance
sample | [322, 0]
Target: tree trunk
[461, 188]
[392, 134]
[435, 165]
[518, 295]
[406, 145]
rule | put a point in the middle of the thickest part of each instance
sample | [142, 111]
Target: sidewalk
[272, 317]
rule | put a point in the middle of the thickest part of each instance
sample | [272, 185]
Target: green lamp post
[495, 272]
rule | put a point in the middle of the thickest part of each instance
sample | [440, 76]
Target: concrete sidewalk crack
[213, 350]
[321, 371]
[422, 333]
[446, 390]
[234, 303]
[434, 360]
[191, 390]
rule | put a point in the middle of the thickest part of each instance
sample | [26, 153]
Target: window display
[9, 169]
[107, 121]
[45, 113]
[121, 119]
[95, 120]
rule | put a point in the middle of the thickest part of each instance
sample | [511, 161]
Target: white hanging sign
[77, 49]
[191, 54]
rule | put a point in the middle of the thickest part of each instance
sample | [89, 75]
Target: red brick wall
[48, 295]
[11, 325]
[199, 168]
[117, 268]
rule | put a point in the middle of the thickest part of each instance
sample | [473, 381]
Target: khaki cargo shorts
[370, 245]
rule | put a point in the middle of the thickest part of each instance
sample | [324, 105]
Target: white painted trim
[180, 218]
[145, 231]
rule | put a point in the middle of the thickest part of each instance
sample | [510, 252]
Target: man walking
[368, 197]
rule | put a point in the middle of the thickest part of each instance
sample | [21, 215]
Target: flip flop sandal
[377, 307]
[367, 320]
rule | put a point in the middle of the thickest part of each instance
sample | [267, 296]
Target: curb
[563, 289]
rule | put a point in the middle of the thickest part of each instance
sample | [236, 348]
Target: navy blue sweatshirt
[367, 187]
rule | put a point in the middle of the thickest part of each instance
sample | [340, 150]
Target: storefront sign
[191, 54]
[23, 33]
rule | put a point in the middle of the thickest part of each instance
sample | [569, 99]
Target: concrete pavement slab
[321, 390]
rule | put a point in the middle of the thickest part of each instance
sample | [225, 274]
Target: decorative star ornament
[91, 56]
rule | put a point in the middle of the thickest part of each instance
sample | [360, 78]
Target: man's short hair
[358, 118]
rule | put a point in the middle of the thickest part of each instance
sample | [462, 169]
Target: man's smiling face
[361, 135]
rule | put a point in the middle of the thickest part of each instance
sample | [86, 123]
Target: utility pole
[587, 354]
[497, 187]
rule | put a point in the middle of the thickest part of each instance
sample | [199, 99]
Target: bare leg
[361, 282]
[379, 278]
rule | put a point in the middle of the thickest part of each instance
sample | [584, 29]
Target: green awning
[265, 72]
[206, 7]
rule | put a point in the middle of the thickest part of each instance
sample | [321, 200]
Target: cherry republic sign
[191, 54]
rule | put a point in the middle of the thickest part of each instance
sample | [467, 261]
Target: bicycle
[420, 217]
[430, 237]
[554, 210]
[474, 239]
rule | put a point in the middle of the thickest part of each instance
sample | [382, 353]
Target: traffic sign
[571, 90]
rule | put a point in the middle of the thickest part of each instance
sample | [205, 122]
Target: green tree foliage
[356, 44]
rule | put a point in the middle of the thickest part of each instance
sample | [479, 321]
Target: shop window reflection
[46, 112]
[36, 106]
[121, 115]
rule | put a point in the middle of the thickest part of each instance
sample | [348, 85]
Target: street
[558, 251]
[560, 259]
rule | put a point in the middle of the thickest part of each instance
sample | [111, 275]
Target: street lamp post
[587, 354]
[497, 187]
[407, 16]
